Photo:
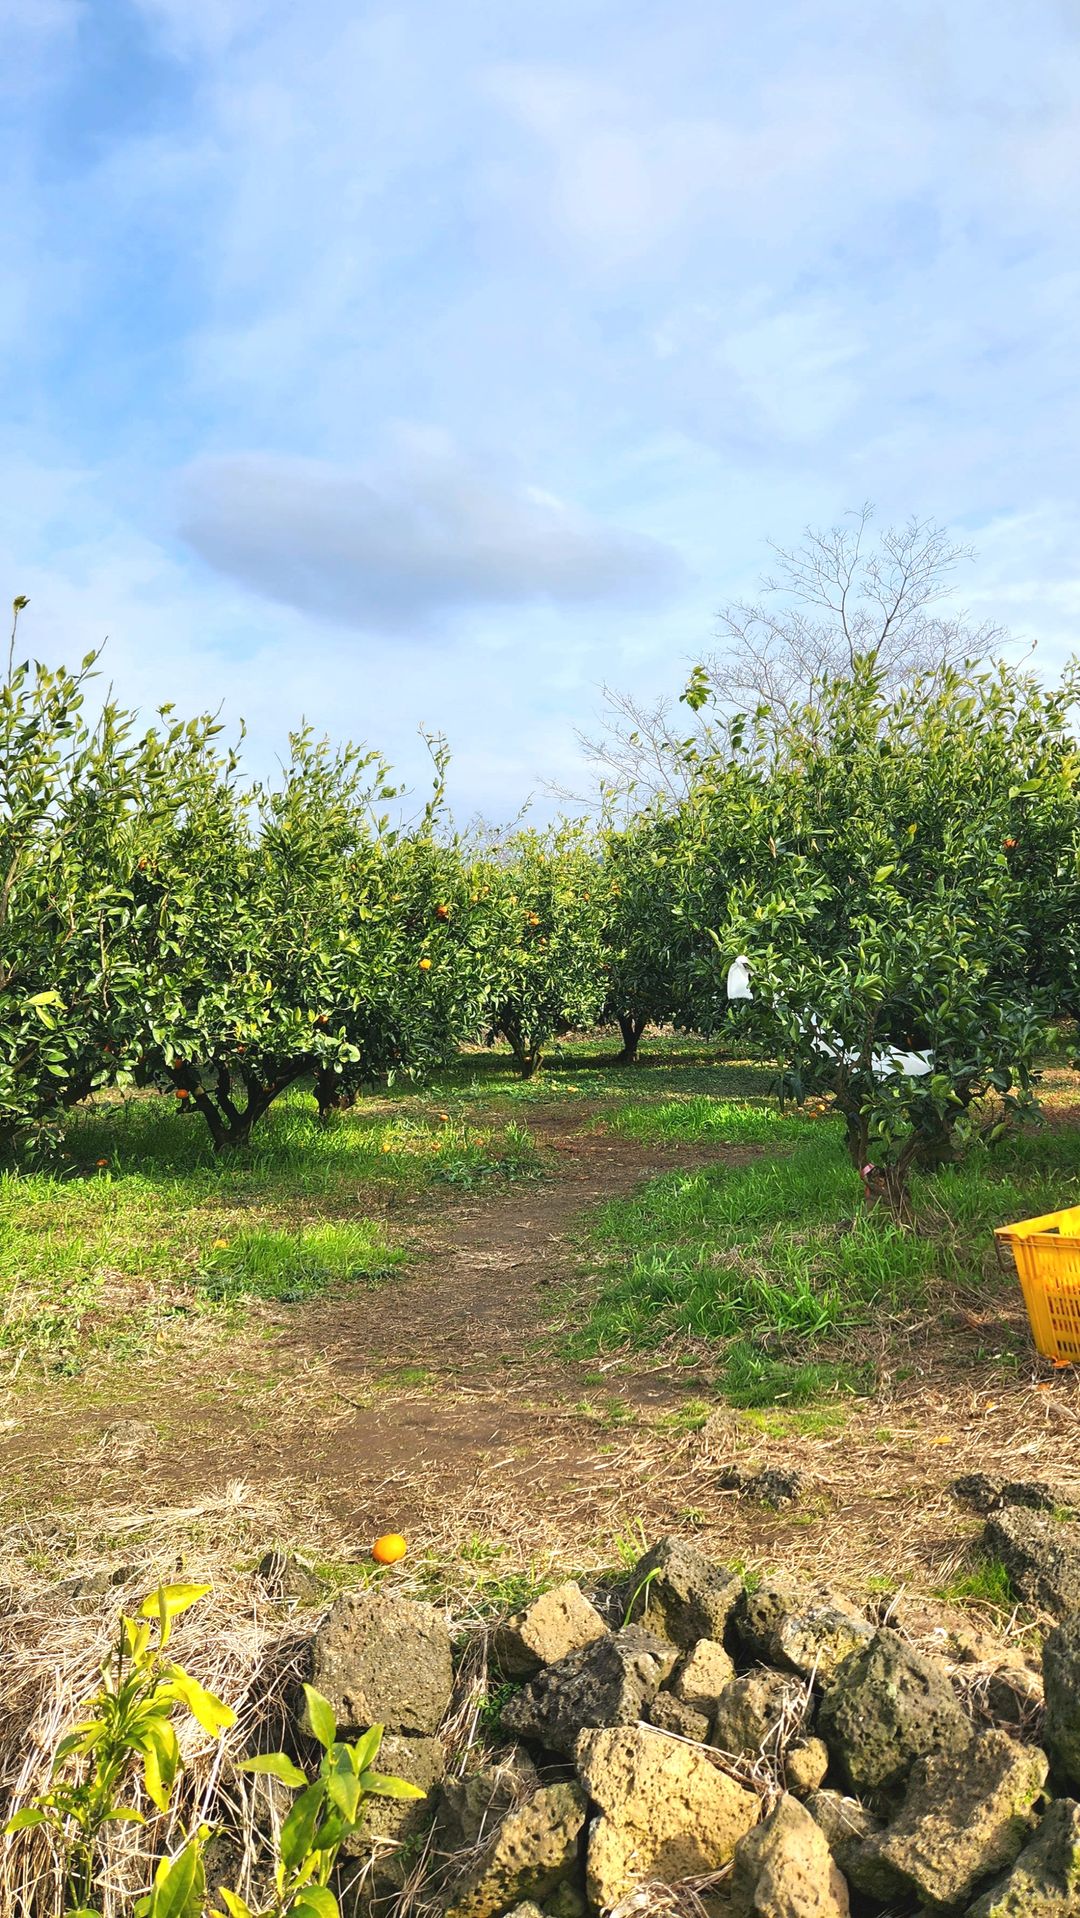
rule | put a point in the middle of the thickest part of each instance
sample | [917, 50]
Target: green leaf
[210, 1712]
[320, 1717]
[299, 1828]
[366, 1749]
[385, 1785]
[26, 1820]
[233, 1903]
[174, 1599]
[179, 1885]
[315, 1901]
[344, 1788]
[275, 1765]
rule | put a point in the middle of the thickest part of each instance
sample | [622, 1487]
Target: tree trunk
[231, 1125]
[331, 1093]
[527, 1052]
[631, 1030]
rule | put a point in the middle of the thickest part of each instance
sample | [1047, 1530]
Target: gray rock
[526, 1909]
[610, 1682]
[815, 1641]
[554, 1625]
[771, 1486]
[848, 1825]
[703, 1674]
[679, 1593]
[667, 1812]
[985, 1495]
[756, 1715]
[93, 1584]
[1041, 1556]
[805, 1766]
[670, 1714]
[978, 1491]
[887, 1707]
[963, 1818]
[470, 1808]
[290, 1579]
[1045, 1880]
[568, 1900]
[785, 1869]
[1032, 1492]
[383, 1661]
[535, 1846]
[1061, 1684]
[388, 1823]
[757, 1615]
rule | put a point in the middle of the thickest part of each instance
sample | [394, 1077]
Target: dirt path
[438, 1403]
[495, 1268]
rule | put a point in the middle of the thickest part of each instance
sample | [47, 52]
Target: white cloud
[395, 547]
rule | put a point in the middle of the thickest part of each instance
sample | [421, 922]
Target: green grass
[669, 1064]
[777, 1264]
[145, 1228]
[987, 1584]
[700, 1119]
[290, 1266]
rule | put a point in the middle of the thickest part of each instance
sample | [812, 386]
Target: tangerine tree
[85, 801]
[535, 938]
[876, 897]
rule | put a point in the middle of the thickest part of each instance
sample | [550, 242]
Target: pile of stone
[768, 1751]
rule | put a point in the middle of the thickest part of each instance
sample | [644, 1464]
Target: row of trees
[897, 857]
[165, 925]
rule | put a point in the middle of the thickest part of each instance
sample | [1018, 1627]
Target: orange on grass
[389, 1548]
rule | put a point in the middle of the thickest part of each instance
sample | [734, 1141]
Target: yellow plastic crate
[1047, 1255]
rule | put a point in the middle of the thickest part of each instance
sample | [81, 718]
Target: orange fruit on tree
[388, 1549]
[442, 912]
[425, 965]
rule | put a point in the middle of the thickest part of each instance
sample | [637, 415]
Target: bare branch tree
[838, 597]
[643, 752]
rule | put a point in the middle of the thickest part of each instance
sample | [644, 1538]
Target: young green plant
[128, 1727]
[325, 1812]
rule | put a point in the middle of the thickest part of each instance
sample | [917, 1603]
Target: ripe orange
[181, 1094]
[442, 912]
[425, 965]
[389, 1548]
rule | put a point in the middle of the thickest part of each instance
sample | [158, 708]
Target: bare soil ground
[438, 1404]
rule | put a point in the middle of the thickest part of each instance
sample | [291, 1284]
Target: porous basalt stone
[556, 1624]
[666, 1811]
[963, 1819]
[784, 1869]
[534, 1847]
[676, 1591]
[610, 1682]
[382, 1660]
[886, 1707]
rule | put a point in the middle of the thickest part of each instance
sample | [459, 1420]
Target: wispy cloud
[653, 284]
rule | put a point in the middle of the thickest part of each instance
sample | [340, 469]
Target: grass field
[774, 1263]
[519, 1319]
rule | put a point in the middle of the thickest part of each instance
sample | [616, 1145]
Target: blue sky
[436, 362]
